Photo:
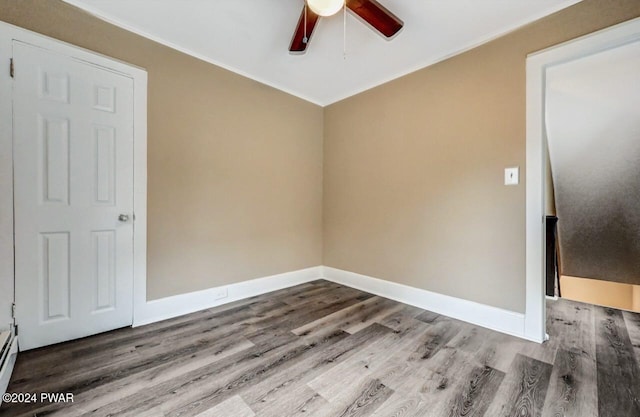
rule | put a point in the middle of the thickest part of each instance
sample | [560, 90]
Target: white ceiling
[251, 37]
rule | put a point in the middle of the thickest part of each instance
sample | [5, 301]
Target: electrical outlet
[220, 293]
[512, 176]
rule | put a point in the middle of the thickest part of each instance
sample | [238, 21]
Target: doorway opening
[584, 120]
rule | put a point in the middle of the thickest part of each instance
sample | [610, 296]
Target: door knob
[123, 217]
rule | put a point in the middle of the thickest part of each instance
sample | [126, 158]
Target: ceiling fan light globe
[325, 7]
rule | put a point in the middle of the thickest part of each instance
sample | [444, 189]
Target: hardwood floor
[324, 350]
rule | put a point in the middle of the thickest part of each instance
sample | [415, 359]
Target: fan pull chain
[344, 27]
[305, 39]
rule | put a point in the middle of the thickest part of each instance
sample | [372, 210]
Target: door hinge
[11, 67]
[13, 310]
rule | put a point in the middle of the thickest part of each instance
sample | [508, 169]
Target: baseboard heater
[8, 353]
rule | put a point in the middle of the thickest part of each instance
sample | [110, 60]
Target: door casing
[8, 33]
[536, 149]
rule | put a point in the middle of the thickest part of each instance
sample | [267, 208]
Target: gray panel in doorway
[593, 128]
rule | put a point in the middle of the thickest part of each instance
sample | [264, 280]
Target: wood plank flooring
[325, 350]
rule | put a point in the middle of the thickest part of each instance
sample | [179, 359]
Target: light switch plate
[512, 176]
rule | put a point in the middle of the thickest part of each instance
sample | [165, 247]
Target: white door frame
[537, 64]
[8, 33]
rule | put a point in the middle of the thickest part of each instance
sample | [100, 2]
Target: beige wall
[414, 168]
[234, 167]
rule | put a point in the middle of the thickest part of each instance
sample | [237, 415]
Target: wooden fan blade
[377, 16]
[298, 43]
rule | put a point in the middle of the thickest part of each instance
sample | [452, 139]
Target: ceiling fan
[369, 11]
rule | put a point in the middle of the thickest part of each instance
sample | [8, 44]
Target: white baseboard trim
[493, 318]
[7, 367]
[178, 305]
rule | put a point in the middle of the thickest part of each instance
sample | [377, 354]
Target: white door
[73, 182]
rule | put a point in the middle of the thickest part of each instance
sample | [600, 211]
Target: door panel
[73, 159]
[55, 275]
[104, 163]
[53, 152]
[104, 262]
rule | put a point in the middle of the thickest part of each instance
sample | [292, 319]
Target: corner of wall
[323, 191]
